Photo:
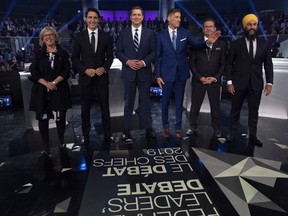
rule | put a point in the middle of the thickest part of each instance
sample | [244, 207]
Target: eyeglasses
[48, 35]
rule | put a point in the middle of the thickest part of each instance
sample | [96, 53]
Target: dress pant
[179, 89]
[197, 97]
[102, 91]
[144, 108]
[253, 99]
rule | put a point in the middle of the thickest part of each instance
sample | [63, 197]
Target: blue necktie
[174, 39]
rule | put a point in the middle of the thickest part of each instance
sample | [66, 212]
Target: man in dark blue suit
[92, 56]
[172, 68]
[244, 76]
[136, 50]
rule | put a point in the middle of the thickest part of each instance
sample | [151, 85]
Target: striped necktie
[136, 40]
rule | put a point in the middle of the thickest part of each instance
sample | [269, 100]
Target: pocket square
[217, 48]
[183, 39]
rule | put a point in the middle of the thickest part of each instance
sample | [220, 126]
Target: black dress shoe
[230, 137]
[109, 139]
[85, 140]
[46, 153]
[217, 133]
[191, 132]
[126, 137]
[255, 141]
[150, 133]
[249, 150]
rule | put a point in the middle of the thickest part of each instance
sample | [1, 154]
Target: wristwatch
[54, 83]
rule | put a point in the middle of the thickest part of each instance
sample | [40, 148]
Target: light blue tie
[174, 39]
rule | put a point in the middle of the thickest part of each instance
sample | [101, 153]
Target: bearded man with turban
[244, 76]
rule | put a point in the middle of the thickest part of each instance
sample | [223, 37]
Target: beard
[250, 34]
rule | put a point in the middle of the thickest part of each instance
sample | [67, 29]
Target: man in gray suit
[136, 50]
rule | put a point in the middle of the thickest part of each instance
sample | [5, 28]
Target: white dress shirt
[96, 37]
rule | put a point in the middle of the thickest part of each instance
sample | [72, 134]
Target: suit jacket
[83, 56]
[214, 67]
[245, 72]
[125, 49]
[170, 61]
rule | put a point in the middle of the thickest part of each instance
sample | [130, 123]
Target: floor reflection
[62, 177]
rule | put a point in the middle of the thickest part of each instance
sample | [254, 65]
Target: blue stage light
[11, 6]
[189, 14]
[40, 26]
[259, 23]
[83, 165]
[221, 19]
[222, 148]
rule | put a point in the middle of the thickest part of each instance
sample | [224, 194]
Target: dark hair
[93, 10]
[172, 11]
[209, 19]
[136, 8]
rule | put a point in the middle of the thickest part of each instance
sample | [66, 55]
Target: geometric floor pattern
[235, 182]
[144, 182]
[236, 175]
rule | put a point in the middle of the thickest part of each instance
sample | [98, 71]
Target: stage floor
[198, 175]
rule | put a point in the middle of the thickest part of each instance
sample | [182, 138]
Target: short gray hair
[45, 29]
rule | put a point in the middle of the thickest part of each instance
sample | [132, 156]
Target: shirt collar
[170, 30]
[139, 28]
[247, 40]
[90, 31]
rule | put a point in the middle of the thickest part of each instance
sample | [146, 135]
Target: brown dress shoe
[178, 134]
[166, 133]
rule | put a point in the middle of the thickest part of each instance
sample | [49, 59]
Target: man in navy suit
[172, 68]
[136, 50]
[92, 57]
[207, 67]
[244, 76]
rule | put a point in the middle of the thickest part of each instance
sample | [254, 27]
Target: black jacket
[200, 66]
[245, 72]
[42, 100]
[83, 56]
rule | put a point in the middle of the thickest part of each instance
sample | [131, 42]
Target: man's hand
[135, 64]
[99, 71]
[203, 80]
[207, 80]
[231, 89]
[213, 37]
[90, 72]
[268, 89]
[160, 82]
[51, 86]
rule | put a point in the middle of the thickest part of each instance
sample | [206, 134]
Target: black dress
[43, 101]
